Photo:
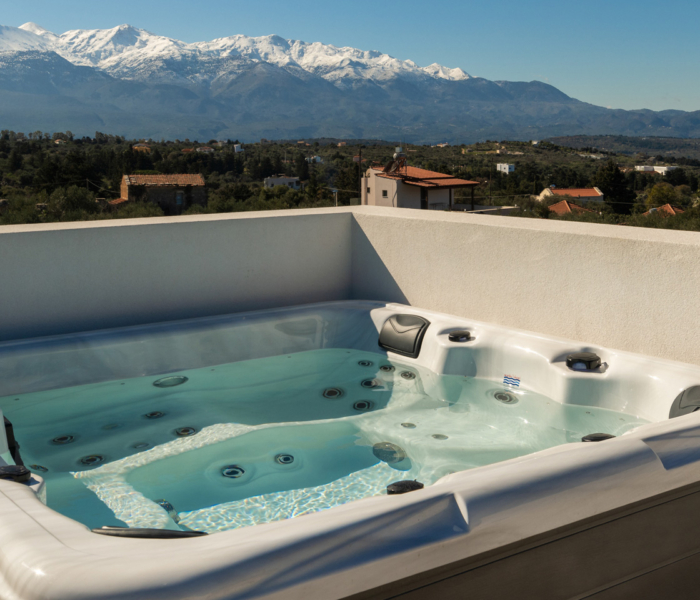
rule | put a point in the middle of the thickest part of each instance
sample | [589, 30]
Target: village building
[290, 182]
[411, 187]
[173, 193]
[650, 169]
[314, 160]
[581, 194]
[566, 207]
[667, 210]
[145, 148]
[237, 148]
[504, 168]
[205, 150]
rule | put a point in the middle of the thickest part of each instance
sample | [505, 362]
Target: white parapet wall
[627, 288]
[633, 289]
[71, 277]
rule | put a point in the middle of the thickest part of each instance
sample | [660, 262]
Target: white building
[649, 169]
[290, 182]
[314, 160]
[505, 168]
[237, 148]
[664, 170]
[410, 187]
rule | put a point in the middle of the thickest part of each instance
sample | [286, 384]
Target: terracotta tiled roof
[118, 201]
[577, 192]
[165, 180]
[565, 208]
[666, 210]
[427, 179]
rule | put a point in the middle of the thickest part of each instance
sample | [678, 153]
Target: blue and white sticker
[511, 380]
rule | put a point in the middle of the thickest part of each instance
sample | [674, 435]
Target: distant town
[61, 177]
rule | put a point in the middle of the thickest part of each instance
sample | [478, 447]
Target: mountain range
[130, 82]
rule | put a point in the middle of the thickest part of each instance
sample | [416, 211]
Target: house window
[385, 194]
[368, 190]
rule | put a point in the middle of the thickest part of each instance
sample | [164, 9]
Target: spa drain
[505, 397]
[141, 446]
[154, 415]
[92, 460]
[332, 393]
[38, 468]
[233, 472]
[387, 368]
[185, 431]
[63, 439]
[370, 384]
[284, 459]
[440, 436]
[389, 453]
[408, 425]
[366, 363]
[408, 375]
[363, 405]
[168, 382]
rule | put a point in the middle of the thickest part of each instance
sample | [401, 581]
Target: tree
[660, 194]
[301, 167]
[613, 184]
[15, 162]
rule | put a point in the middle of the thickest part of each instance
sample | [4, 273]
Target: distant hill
[130, 82]
[668, 147]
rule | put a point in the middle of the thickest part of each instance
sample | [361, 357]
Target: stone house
[173, 193]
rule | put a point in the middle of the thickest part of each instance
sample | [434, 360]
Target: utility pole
[359, 168]
[490, 173]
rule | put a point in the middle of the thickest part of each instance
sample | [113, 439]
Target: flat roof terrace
[625, 288]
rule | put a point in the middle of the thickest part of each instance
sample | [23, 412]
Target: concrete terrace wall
[84, 276]
[625, 288]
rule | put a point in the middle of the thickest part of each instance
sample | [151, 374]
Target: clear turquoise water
[294, 451]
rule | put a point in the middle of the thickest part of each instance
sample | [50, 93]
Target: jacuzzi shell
[363, 547]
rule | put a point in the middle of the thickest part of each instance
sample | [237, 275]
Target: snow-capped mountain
[130, 82]
[131, 53]
[13, 39]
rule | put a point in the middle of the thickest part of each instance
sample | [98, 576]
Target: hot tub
[251, 455]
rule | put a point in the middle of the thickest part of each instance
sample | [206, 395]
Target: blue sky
[617, 53]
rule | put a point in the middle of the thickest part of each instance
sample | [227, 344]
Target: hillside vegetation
[41, 181]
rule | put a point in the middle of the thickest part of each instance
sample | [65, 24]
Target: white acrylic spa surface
[238, 425]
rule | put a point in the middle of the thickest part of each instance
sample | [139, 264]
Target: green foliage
[611, 181]
[137, 210]
[43, 181]
[660, 194]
